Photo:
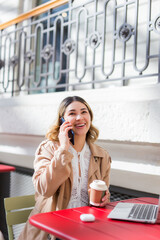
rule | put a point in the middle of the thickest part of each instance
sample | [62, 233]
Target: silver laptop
[139, 212]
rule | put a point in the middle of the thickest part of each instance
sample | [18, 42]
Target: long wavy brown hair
[52, 133]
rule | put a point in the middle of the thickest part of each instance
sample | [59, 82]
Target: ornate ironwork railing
[62, 46]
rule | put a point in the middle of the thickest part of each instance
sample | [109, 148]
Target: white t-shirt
[79, 193]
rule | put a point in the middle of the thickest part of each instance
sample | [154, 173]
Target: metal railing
[80, 45]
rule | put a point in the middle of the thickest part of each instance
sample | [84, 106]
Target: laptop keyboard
[143, 211]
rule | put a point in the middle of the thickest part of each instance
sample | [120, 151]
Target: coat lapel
[96, 153]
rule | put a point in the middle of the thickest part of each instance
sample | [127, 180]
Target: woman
[63, 171]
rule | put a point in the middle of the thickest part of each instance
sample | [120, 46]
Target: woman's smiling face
[78, 115]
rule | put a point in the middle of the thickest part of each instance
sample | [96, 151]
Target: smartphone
[70, 132]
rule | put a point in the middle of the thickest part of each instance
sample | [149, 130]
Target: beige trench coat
[53, 178]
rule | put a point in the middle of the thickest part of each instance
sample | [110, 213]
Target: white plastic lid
[99, 185]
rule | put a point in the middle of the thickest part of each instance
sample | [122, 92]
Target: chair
[17, 211]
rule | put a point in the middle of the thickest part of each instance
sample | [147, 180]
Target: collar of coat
[96, 150]
[96, 154]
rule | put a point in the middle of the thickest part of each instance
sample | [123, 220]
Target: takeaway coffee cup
[98, 191]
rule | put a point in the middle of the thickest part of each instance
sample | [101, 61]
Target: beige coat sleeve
[51, 167]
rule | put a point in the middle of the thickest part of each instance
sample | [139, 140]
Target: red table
[66, 224]
[6, 168]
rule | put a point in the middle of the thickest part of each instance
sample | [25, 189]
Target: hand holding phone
[70, 132]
